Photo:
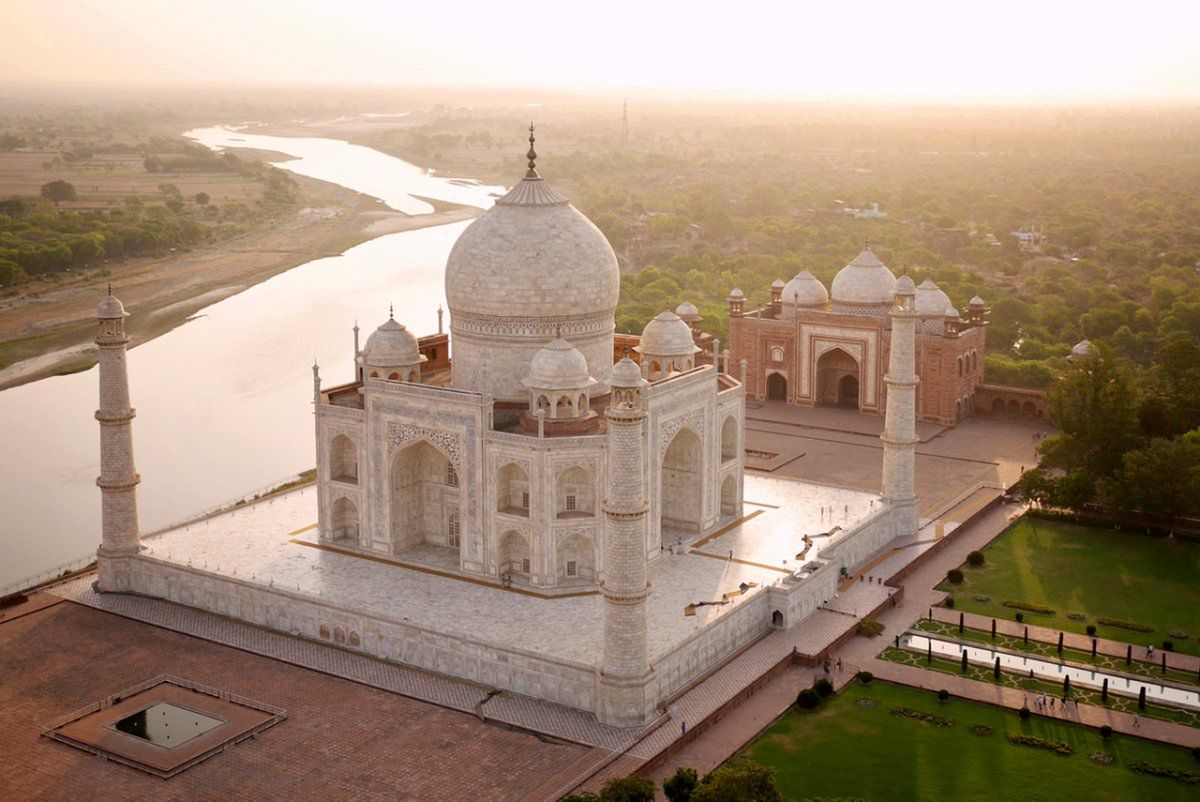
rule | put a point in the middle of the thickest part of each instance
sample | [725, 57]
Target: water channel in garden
[1048, 670]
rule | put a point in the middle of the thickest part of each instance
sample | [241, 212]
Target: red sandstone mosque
[812, 347]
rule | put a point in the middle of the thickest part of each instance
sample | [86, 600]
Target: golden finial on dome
[531, 155]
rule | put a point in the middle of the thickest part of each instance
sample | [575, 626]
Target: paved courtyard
[271, 543]
[341, 739]
[841, 447]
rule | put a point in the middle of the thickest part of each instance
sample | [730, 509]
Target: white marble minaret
[900, 427]
[118, 479]
[625, 676]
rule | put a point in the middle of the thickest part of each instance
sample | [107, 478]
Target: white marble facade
[465, 518]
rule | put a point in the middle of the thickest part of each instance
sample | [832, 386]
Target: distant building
[870, 214]
[810, 350]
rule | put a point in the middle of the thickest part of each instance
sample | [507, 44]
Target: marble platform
[268, 543]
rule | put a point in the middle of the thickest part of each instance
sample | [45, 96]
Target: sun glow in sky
[1016, 50]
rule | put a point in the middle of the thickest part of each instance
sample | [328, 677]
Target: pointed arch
[343, 524]
[729, 505]
[729, 439]
[575, 493]
[421, 495]
[575, 559]
[838, 377]
[343, 459]
[681, 482]
[513, 492]
[512, 556]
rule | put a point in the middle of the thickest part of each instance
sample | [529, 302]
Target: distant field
[107, 180]
[1096, 573]
[857, 749]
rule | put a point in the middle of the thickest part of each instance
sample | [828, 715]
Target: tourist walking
[1136, 724]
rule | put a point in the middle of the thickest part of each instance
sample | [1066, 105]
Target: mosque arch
[575, 493]
[393, 376]
[343, 524]
[575, 558]
[343, 460]
[729, 439]
[513, 554]
[777, 619]
[512, 490]
[729, 497]
[1014, 409]
[998, 406]
[421, 495]
[682, 486]
[777, 387]
[1029, 410]
[832, 368]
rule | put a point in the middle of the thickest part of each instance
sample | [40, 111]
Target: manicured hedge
[1041, 743]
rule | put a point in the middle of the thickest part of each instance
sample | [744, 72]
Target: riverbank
[48, 330]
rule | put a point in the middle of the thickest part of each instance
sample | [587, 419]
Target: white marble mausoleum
[514, 504]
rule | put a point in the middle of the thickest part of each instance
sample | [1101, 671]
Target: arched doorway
[1014, 409]
[777, 619]
[998, 406]
[421, 495]
[777, 387]
[681, 488]
[729, 439]
[344, 524]
[848, 391]
[838, 379]
[513, 556]
[729, 497]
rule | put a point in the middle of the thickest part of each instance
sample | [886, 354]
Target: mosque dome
[626, 373]
[688, 312]
[976, 302]
[930, 299]
[559, 366]
[526, 268]
[864, 281]
[391, 345]
[805, 290]
[905, 286]
[110, 307]
[951, 313]
[667, 335]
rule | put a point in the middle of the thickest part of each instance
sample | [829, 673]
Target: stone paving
[255, 543]
[520, 711]
[340, 740]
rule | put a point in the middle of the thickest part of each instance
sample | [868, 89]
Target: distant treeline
[36, 239]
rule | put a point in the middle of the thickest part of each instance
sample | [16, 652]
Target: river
[224, 402]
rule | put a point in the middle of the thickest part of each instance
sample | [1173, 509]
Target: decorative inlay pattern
[399, 434]
[667, 431]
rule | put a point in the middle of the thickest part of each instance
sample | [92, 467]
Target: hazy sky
[852, 49]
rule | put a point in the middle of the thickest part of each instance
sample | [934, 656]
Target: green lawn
[1098, 573]
[847, 750]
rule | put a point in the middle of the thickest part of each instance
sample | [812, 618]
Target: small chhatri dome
[777, 283]
[976, 301]
[951, 313]
[558, 365]
[905, 286]
[688, 312]
[110, 307]
[667, 335]
[736, 295]
[864, 281]
[626, 373]
[805, 290]
[391, 345]
[930, 299]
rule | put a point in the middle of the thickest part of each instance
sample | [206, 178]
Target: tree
[744, 781]
[1094, 405]
[202, 198]
[628, 789]
[678, 787]
[58, 191]
[1163, 478]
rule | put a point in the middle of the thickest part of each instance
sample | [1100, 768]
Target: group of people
[1044, 702]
